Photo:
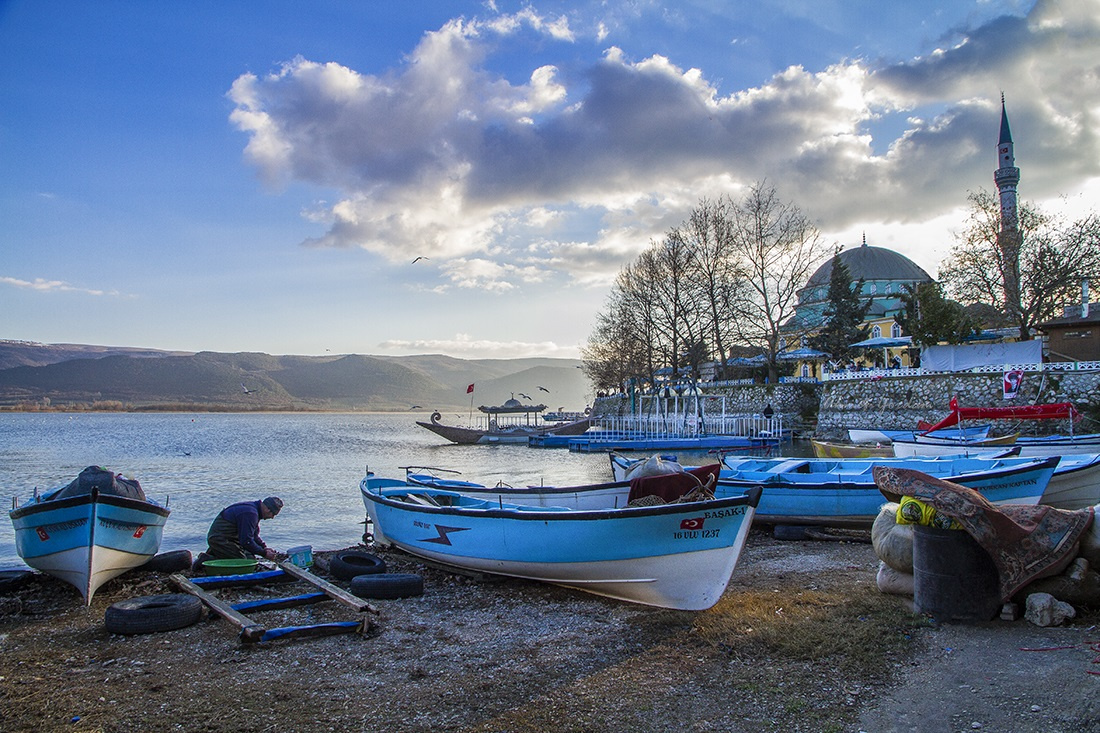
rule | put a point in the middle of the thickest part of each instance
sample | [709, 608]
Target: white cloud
[50, 286]
[462, 346]
[443, 157]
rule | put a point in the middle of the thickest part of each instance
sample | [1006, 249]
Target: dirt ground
[505, 655]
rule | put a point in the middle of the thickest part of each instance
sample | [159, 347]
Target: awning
[883, 342]
[803, 354]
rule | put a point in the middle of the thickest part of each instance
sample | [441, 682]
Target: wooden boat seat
[799, 465]
[421, 499]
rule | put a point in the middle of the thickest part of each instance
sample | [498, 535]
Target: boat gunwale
[750, 498]
[124, 502]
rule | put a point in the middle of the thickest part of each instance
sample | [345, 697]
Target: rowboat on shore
[676, 555]
[842, 493]
[93, 529]
[830, 449]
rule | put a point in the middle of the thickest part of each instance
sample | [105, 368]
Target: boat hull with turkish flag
[667, 546]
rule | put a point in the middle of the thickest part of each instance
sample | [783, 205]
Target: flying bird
[524, 396]
[544, 389]
[418, 259]
[416, 407]
[246, 389]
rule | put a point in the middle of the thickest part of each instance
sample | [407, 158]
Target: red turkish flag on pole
[470, 389]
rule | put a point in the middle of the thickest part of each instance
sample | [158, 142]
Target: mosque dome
[871, 263]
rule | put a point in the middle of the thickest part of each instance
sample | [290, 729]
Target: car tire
[349, 564]
[152, 614]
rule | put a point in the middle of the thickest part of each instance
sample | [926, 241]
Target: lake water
[202, 462]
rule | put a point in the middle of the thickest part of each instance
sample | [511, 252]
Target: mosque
[886, 274]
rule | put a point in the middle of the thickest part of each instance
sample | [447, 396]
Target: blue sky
[241, 176]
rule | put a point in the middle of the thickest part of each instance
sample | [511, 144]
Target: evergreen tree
[843, 315]
[929, 318]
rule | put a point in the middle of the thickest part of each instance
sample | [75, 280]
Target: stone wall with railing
[896, 398]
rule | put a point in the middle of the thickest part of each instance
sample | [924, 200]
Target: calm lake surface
[202, 462]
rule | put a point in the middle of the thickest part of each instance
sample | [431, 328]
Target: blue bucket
[302, 556]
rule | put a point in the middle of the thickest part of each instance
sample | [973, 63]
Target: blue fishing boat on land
[677, 554]
[842, 492]
[93, 529]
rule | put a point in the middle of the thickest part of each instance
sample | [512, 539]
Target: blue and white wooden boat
[94, 529]
[676, 555]
[1059, 445]
[842, 492]
[883, 436]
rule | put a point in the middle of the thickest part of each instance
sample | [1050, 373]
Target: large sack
[894, 582]
[893, 542]
[653, 466]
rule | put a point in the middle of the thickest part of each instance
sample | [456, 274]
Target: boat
[1047, 445]
[929, 446]
[671, 555]
[885, 436]
[1059, 445]
[829, 449]
[512, 422]
[1076, 482]
[93, 529]
[842, 493]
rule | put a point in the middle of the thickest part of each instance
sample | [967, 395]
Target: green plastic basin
[229, 566]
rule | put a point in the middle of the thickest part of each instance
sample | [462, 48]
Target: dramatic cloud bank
[502, 183]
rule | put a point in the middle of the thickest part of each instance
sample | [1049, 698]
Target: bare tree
[1029, 276]
[776, 250]
[715, 279]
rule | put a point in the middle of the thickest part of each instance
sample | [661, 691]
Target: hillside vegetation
[72, 376]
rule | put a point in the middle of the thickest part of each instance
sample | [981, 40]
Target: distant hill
[36, 376]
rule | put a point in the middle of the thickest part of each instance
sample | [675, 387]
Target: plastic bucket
[954, 579]
[302, 555]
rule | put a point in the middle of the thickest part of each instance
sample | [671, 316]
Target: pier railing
[692, 425]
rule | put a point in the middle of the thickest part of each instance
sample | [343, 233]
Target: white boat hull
[677, 555]
[89, 539]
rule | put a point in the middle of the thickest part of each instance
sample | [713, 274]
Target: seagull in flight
[524, 396]
[418, 259]
[544, 389]
[416, 407]
[246, 389]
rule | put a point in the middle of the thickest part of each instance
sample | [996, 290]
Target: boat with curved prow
[512, 422]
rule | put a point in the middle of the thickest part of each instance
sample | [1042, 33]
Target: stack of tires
[369, 579]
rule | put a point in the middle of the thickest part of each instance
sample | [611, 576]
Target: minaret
[1009, 238]
[1007, 175]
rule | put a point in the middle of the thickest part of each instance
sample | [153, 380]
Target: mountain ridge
[37, 376]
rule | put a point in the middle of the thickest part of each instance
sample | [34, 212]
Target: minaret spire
[1007, 174]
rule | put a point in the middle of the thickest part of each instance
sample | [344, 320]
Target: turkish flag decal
[695, 523]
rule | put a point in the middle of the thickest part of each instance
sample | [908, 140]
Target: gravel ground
[506, 655]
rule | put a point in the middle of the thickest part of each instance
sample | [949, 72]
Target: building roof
[872, 263]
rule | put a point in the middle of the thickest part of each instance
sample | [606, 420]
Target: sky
[468, 178]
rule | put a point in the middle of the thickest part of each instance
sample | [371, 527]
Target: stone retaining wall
[829, 409]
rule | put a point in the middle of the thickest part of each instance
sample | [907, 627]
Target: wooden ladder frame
[250, 631]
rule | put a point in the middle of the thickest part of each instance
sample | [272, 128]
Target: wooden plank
[332, 591]
[250, 631]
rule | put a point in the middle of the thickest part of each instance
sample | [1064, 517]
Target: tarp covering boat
[1052, 411]
[94, 478]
